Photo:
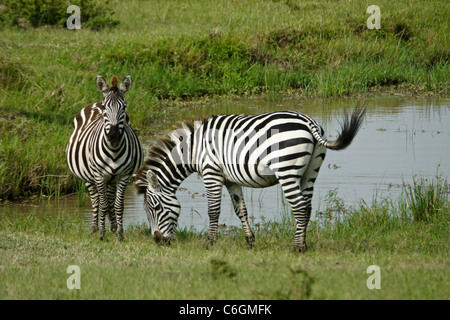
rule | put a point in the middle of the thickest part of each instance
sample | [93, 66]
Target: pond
[400, 138]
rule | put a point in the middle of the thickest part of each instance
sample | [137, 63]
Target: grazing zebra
[236, 150]
[104, 152]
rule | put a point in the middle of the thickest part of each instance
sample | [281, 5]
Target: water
[400, 138]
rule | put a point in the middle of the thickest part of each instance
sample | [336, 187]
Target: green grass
[426, 200]
[413, 256]
[180, 52]
[188, 51]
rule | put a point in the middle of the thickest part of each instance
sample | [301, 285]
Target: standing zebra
[236, 150]
[104, 152]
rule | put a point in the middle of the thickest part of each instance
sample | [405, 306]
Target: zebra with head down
[256, 151]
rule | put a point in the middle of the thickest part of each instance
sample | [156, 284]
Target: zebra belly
[256, 176]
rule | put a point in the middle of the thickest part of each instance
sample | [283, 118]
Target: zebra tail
[349, 128]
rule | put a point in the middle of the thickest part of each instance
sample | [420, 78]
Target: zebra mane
[162, 148]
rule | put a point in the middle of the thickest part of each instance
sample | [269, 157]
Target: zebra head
[114, 105]
[162, 208]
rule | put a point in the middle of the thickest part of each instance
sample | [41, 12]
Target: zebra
[257, 151]
[105, 152]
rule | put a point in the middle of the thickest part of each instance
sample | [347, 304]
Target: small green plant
[297, 285]
[335, 204]
[81, 192]
[334, 210]
[221, 269]
[302, 283]
[425, 200]
[11, 73]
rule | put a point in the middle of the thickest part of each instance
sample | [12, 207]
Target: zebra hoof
[250, 241]
[300, 249]
[120, 237]
[208, 243]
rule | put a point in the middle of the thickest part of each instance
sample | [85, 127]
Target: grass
[426, 200]
[412, 254]
[183, 52]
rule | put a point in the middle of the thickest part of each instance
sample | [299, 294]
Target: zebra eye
[155, 204]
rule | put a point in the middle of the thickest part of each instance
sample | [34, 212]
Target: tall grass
[421, 205]
[425, 200]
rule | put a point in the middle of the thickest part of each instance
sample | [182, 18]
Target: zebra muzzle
[161, 239]
[114, 135]
[158, 236]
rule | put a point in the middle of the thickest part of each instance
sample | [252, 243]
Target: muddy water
[400, 138]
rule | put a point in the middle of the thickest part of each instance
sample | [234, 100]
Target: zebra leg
[103, 206]
[214, 195]
[299, 192]
[237, 198]
[307, 189]
[302, 217]
[93, 195]
[119, 205]
[301, 209]
[111, 199]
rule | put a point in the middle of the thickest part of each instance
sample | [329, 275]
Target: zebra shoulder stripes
[257, 151]
[105, 152]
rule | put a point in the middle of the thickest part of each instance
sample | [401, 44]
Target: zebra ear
[102, 85]
[152, 179]
[126, 84]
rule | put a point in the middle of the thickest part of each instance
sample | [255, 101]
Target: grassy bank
[412, 253]
[179, 51]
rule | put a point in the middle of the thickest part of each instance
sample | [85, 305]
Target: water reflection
[399, 138]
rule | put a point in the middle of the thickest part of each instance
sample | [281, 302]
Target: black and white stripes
[104, 152]
[236, 150]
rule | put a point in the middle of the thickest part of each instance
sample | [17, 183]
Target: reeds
[425, 199]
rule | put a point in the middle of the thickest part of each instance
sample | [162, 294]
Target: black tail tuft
[349, 129]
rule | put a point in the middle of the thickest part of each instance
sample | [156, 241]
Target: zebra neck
[173, 160]
[170, 178]
[175, 168]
